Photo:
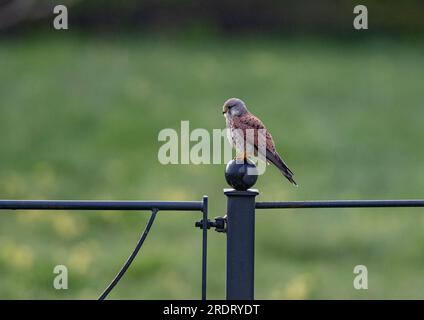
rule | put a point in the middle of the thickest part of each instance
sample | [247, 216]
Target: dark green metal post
[240, 243]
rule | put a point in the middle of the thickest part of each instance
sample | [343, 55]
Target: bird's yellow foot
[241, 158]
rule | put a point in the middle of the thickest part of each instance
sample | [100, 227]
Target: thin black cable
[131, 257]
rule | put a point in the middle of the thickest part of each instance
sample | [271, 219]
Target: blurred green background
[80, 113]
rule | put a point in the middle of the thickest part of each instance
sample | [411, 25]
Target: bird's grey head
[234, 108]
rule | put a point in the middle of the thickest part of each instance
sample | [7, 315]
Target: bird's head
[234, 108]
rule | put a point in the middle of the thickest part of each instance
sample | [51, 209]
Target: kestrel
[239, 121]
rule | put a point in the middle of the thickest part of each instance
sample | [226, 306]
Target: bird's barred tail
[279, 163]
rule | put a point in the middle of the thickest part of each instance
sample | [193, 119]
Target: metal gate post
[240, 243]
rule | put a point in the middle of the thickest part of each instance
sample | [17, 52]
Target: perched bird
[239, 121]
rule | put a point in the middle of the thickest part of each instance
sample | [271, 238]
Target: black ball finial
[241, 176]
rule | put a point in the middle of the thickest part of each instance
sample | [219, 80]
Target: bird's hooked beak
[225, 110]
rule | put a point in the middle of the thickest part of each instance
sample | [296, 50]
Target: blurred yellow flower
[67, 225]
[81, 258]
[298, 288]
[18, 256]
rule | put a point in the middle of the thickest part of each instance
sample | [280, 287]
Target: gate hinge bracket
[220, 224]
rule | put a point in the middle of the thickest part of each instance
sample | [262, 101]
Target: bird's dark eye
[229, 107]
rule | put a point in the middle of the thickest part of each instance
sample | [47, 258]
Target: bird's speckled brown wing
[249, 121]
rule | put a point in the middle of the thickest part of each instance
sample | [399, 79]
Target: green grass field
[79, 119]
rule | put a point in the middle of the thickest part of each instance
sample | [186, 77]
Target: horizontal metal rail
[100, 205]
[340, 204]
